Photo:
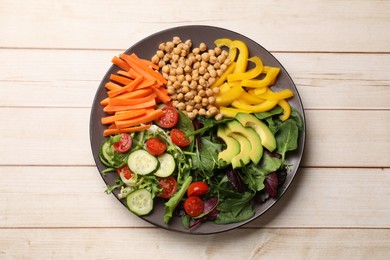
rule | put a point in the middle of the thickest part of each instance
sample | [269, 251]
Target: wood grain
[69, 197]
[112, 243]
[71, 78]
[278, 25]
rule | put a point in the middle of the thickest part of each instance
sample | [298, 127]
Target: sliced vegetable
[193, 206]
[168, 186]
[167, 165]
[141, 162]
[169, 118]
[155, 146]
[178, 138]
[198, 188]
[124, 143]
[140, 202]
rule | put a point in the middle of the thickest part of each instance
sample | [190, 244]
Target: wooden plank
[130, 243]
[71, 78]
[68, 197]
[361, 141]
[281, 25]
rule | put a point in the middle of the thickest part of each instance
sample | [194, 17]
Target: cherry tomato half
[198, 188]
[193, 206]
[124, 144]
[125, 172]
[170, 117]
[178, 138]
[168, 186]
[155, 146]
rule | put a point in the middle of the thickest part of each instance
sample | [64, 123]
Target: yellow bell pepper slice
[286, 109]
[223, 88]
[226, 42]
[250, 74]
[250, 99]
[270, 77]
[270, 95]
[224, 75]
[229, 96]
[262, 107]
[242, 58]
[230, 112]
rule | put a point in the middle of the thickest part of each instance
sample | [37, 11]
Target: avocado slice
[256, 151]
[245, 146]
[267, 138]
[232, 146]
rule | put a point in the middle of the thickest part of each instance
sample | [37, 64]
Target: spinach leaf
[297, 117]
[287, 137]
[235, 210]
[277, 110]
[269, 163]
[185, 124]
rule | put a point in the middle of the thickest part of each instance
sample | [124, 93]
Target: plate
[146, 48]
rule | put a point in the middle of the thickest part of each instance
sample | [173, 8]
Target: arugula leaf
[206, 159]
[207, 123]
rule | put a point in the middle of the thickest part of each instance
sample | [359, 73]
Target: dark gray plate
[146, 48]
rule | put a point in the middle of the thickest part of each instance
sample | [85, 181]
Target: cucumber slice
[141, 162]
[106, 153]
[167, 165]
[140, 202]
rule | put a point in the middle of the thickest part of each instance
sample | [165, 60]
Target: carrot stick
[143, 92]
[114, 131]
[127, 74]
[120, 79]
[129, 87]
[154, 73]
[122, 116]
[131, 101]
[140, 120]
[120, 63]
[113, 109]
[151, 64]
[161, 95]
[104, 102]
[142, 69]
[112, 86]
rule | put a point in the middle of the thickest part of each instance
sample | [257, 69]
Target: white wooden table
[53, 55]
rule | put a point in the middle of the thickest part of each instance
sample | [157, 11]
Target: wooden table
[53, 56]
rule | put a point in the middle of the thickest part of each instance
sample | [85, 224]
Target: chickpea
[202, 93]
[187, 69]
[206, 76]
[165, 69]
[191, 115]
[202, 81]
[185, 90]
[217, 51]
[177, 85]
[155, 59]
[209, 92]
[161, 46]
[188, 43]
[205, 57]
[161, 63]
[211, 100]
[218, 117]
[171, 90]
[211, 81]
[213, 111]
[180, 78]
[202, 112]
[216, 90]
[172, 77]
[196, 65]
[196, 51]
[189, 108]
[160, 54]
[181, 106]
[202, 70]
[202, 47]
[179, 71]
[198, 99]
[176, 40]
[180, 96]
[213, 59]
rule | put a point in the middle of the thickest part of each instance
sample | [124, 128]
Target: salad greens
[233, 193]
